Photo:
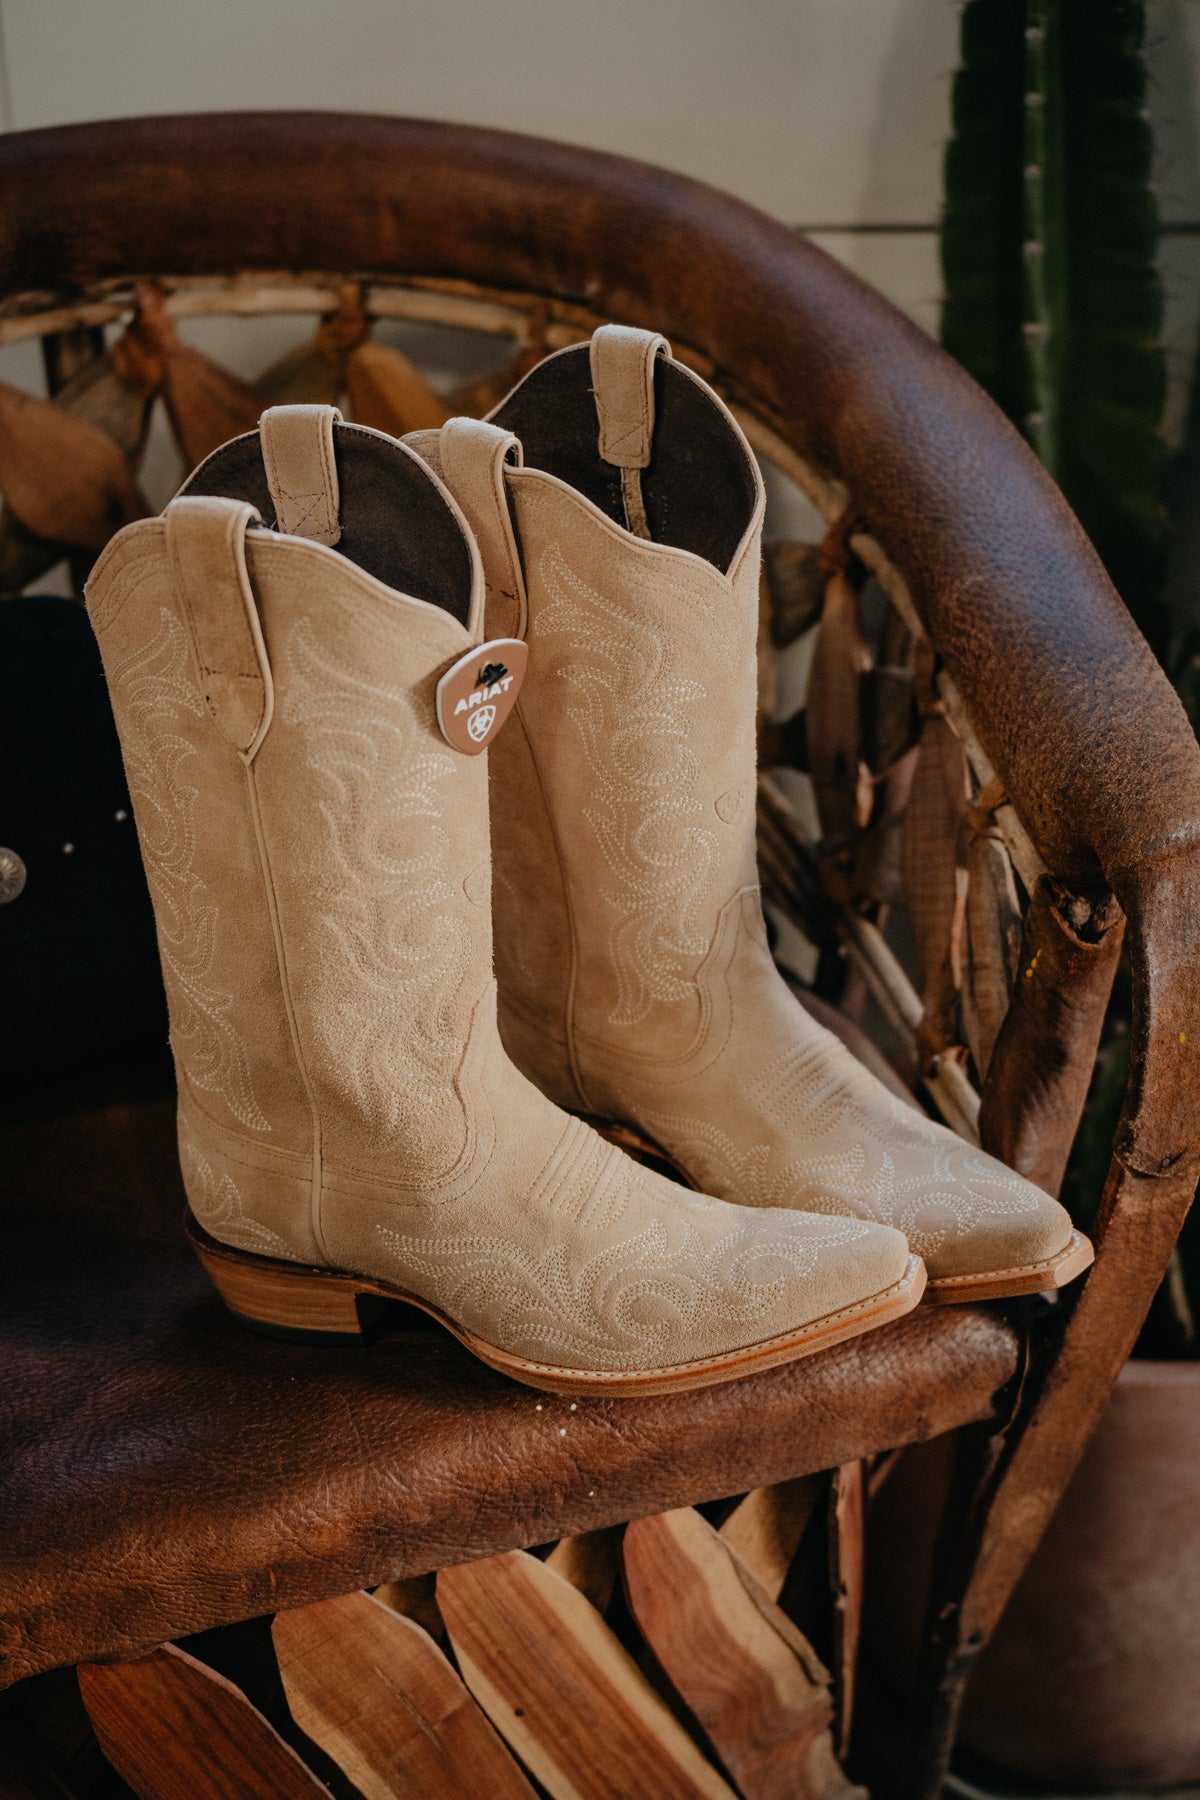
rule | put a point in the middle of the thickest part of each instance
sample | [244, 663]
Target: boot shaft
[317, 852]
[637, 508]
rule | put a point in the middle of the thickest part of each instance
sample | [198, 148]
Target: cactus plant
[1054, 304]
[1053, 300]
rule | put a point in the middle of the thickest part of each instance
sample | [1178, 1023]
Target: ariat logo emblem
[480, 723]
[477, 693]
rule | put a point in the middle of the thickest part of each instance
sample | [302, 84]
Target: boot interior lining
[699, 492]
[395, 523]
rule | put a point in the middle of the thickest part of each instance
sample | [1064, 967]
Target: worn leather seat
[163, 1470]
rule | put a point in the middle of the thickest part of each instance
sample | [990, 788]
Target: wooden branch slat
[375, 1692]
[62, 477]
[315, 373]
[795, 586]
[430, 302]
[785, 863]
[766, 659]
[993, 945]
[889, 717]
[24, 556]
[415, 1599]
[949, 1087]
[847, 1550]
[205, 404]
[934, 885]
[562, 1691]
[591, 1563]
[783, 743]
[172, 1727]
[1045, 1052]
[117, 394]
[1026, 860]
[766, 1527]
[387, 392]
[743, 1670]
[834, 723]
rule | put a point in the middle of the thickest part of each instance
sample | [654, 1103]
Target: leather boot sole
[1030, 1278]
[1042, 1277]
[297, 1301]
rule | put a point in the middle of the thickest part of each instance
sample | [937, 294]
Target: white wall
[831, 114]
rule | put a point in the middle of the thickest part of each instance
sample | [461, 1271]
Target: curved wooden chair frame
[1092, 773]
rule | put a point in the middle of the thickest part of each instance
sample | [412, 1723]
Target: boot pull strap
[206, 544]
[297, 453]
[622, 363]
[473, 457]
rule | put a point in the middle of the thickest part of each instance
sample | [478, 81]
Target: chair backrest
[1008, 715]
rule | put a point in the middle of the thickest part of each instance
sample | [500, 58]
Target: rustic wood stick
[559, 1687]
[766, 1527]
[934, 884]
[847, 1552]
[478, 395]
[315, 373]
[1045, 1052]
[746, 1674]
[766, 656]
[454, 303]
[205, 405]
[842, 783]
[944, 1079]
[591, 1562]
[949, 1087]
[66, 354]
[63, 478]
[415, 1599]
[170, 1727]
[1026, 861]
[378, 1696]
[388, 393]
[117, 394]
[795, 586]
[993, 944]
[786, 863]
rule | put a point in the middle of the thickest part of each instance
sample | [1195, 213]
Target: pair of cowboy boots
[364, 1113]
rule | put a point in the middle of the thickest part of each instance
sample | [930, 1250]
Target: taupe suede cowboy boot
[317, 846]
[619, 511]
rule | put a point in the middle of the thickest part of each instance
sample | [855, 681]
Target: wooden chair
[162, 1472]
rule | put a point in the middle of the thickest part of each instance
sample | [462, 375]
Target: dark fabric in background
[81, 994]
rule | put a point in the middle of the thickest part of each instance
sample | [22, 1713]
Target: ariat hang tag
[477, 693]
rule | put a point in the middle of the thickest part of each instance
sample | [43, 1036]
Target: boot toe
[986, 1221]
[808, 1267]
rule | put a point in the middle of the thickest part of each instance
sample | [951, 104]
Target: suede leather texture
[636, 982]
[345, 1098]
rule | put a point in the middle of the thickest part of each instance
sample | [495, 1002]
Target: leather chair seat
[163, 1470]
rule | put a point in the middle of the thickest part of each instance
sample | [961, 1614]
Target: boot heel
[289, 1300]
